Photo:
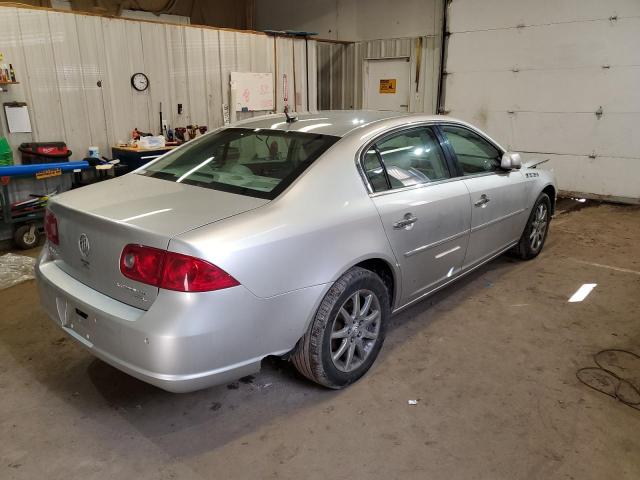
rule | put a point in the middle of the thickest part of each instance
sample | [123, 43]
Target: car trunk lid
[96, 222]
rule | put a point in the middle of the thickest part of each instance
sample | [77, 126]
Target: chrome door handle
[482, 202]
[407, 221]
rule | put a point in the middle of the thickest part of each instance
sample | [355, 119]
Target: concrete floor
[491, 361]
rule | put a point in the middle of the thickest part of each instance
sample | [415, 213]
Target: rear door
[424, 210]
[497, 197]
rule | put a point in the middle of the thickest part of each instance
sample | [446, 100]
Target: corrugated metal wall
[59, 58]
[534, 74]
[341, 70]
[339, 79]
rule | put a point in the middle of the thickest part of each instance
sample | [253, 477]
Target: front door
[425, 212]
[497, 201]
[387, 84]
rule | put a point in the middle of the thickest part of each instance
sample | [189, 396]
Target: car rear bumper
[184, 341]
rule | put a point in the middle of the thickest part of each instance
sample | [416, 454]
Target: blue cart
[25, 218]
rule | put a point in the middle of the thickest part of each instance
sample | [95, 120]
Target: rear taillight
[51, 227]
[172, 271]
[143, 264]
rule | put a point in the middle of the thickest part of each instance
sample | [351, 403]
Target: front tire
[347, 331]
[535, 233]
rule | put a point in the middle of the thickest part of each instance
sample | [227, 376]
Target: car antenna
[289, 118]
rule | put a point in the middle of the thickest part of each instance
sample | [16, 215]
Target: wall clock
[140, 82]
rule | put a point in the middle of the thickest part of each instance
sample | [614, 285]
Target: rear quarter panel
[323, 224]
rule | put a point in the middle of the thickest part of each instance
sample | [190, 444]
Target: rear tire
[535, 233]
[347, 332]
[26, 237]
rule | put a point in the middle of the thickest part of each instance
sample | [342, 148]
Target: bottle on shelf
[12, 73]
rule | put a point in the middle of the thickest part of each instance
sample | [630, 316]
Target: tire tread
[307, 355]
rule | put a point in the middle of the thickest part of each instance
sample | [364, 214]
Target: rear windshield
[257, 163]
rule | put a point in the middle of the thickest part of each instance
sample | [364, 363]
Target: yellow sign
[388, 85]
[51, 172]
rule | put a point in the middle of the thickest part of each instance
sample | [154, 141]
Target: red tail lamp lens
[189, 274]
[51, 227]
[172, 271]
[143, 264]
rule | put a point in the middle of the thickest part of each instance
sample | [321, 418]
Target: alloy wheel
[538, 227]
[355, 330]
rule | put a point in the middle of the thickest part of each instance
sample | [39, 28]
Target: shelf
[9, 83]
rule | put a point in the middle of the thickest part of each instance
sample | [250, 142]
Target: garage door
[557, 80]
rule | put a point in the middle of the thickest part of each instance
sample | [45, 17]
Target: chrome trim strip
[435, 244]
[496, 220]
[447, 252]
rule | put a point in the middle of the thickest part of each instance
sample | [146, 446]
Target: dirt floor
[491, 361]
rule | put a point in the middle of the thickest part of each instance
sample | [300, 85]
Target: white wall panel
[578, 134]
[177, 75]
[136, 64]
[93, 68]
[11, 44]
[619, 175]
[196, 81]
[68, 66]
[299, 74]
[551, 90]
[496, 14]
[285, 93]
[533, 74]
[156, 67]
[227, 65]
[46, 111]
[211, 53]
[61, 58]
[579, 44]
[122, 110]
[312, 68]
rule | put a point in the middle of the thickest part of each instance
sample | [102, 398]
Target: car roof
[329, 122]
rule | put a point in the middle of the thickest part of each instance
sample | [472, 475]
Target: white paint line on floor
[582, 292]
[609, 267]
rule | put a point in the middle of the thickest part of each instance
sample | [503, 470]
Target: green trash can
[6, 155]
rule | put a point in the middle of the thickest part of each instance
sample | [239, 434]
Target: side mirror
[510, 161]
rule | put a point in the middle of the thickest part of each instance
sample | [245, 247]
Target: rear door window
[412, 157]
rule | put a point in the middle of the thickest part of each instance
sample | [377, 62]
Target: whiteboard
[252, 91]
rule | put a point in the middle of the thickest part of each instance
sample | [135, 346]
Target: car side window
[475, 154]
[413, 157]
[374, 171]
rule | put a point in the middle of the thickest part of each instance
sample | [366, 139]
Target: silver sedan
[292, 238]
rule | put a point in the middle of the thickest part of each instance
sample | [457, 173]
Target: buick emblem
[83, 244]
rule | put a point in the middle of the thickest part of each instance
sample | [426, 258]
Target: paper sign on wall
[18, 119]
[253, 91]
[388, 85]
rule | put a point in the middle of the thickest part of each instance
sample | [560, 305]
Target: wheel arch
[387, 273]
[550, 190]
